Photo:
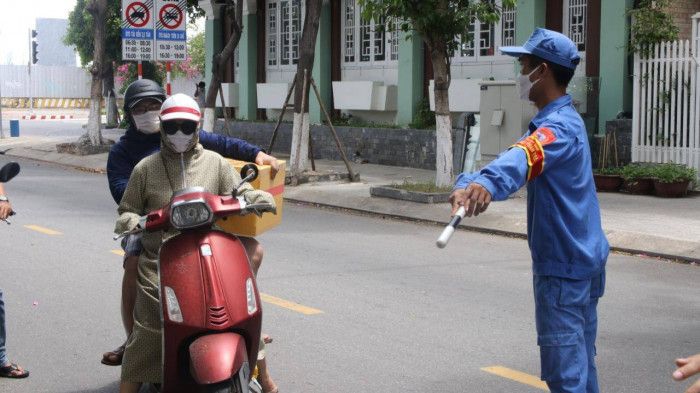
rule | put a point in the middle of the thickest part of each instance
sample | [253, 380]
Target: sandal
[113, 358]
[13, 371]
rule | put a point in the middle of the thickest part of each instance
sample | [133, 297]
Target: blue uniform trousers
[567, 323]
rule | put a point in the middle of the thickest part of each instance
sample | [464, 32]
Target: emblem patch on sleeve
[533, 145]
[544, 135]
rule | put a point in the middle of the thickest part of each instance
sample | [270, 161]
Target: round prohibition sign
[170, 16]
[137, 14]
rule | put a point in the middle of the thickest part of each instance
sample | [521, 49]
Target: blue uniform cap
[548, 45]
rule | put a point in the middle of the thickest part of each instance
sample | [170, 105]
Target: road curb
[62, 164]
[490, 231]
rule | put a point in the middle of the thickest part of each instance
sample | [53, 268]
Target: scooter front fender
[218, 357]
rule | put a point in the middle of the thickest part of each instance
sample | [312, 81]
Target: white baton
[450, 228]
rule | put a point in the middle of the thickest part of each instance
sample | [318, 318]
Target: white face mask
[148, 123]
[525, 84]
[180, 142]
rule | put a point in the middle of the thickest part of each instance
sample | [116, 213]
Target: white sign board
[137, 30]
[171, 33]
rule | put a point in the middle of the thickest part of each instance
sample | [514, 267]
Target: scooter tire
[230, 386]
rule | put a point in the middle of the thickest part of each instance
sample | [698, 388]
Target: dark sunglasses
[186, 126]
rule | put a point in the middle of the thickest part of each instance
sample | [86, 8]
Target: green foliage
[438, 21]
[651, 25]
[672, 173]
[636, 171]
[425, 118]
[80, 32]
[197, 52]
[127, 73]
[420, 187]
[616, 171]
[351, 121]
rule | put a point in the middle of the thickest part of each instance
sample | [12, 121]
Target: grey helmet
[140, 89]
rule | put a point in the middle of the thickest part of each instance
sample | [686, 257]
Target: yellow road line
[43, 230]
[517, 376]
[118, 252]
[289, 305]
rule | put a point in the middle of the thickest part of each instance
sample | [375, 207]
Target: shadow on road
[111, 388]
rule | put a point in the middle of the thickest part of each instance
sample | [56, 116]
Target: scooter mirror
[9, 171]
[249, 172]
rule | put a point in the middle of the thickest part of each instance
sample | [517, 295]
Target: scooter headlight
[250, 296]
[173, 306]
[190, 214]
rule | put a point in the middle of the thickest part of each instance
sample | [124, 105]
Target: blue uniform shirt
[563, 216]
[134, 146]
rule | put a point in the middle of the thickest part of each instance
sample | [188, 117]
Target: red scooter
[211, 308]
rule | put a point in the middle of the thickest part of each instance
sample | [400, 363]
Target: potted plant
[638, 178]
[672, 180]
[607, 179]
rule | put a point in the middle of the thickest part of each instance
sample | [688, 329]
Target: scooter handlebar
[450, 228]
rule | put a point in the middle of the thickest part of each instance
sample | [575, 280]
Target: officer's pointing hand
[686, 368]
[474, 198]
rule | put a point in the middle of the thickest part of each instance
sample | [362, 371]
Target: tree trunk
[299, 158]
[93, 136]
[110, 95]
[443, 121]
[234, 13]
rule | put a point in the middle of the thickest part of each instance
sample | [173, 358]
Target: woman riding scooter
[181, 162]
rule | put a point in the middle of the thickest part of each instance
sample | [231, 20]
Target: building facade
[380, 75]
[51, 49]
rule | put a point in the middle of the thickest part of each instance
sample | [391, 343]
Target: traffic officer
[566, 240]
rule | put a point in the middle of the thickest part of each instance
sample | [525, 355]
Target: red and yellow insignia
[544, 135]
[533, 146]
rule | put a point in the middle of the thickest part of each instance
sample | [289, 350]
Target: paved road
[54, 128]
[398, 315]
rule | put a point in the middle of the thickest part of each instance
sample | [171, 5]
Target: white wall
[45, 81]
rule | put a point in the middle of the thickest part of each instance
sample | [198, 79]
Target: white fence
[44, 81]
[666, 100]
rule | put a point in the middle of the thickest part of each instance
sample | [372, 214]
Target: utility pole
[29, 72]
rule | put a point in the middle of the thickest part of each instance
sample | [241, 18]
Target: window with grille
[284, 27]
[487, 37]
[272, 34]
[575, 22]
[364, 41]
[508, 26]
[349, 37]
[394, 41]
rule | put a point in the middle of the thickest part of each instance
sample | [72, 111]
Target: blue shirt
[564, 231]
[134, 146]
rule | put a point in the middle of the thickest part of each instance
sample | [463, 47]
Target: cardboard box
[252, 225]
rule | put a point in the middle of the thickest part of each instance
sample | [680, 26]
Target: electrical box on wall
[504, 115]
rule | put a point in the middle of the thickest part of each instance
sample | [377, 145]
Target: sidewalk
[637, 224]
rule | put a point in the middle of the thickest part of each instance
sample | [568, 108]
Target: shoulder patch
[544, 135]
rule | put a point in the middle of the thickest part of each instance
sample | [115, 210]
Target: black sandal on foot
[13, 371]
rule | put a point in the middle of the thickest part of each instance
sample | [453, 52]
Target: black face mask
[188, 127]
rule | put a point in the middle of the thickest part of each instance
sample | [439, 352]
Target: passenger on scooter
[181, 161]
[142, 102]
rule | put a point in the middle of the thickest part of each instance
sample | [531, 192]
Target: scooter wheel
[231, 386]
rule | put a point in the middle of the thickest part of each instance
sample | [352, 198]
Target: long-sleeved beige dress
[150, 187]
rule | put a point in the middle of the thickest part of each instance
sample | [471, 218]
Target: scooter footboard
[218, 357]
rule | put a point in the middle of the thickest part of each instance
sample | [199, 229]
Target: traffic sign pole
[168, 66]
[139, 69]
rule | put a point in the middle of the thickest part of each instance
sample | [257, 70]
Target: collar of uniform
[547, 110]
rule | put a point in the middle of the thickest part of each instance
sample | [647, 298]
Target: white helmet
[180, 107]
